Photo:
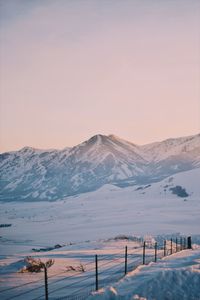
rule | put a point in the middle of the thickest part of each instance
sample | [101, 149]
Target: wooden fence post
[171, 251]
[126, 254]
[189, 242]
[164, 247]
[144, 246]
[184, 242]
[96, 272]
[155, 251]
[46, 283]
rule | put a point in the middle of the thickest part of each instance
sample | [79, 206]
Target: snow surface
[173, 278]
[85, 225]
[107, 212]
[171, 147]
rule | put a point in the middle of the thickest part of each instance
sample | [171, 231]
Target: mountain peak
[35, 174]
[27, 149]
[97, 139]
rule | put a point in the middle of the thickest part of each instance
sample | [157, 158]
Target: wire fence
[97, 273]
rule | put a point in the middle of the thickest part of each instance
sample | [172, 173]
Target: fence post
[126, 254]
[96, 272]
[189, 242]
[171, 248]
[155, 251]
[144, 246]
[164, 247]
[181, 244]
[184, 242]
[46, 282]
[176, 245]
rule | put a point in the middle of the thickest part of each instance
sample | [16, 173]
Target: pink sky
[72, 69]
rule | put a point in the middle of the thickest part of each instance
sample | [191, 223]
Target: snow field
[111, 268]
[172, 278]
[107, 212]
[84, 224]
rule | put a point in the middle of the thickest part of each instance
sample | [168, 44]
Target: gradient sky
[74, 68]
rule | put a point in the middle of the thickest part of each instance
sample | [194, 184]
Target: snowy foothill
[107, 212]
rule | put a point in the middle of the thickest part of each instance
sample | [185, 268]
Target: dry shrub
[79, 268]
[35, 265]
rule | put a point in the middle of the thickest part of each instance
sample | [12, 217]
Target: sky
[70, 69]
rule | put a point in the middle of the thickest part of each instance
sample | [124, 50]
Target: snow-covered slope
[107, 212]
[32, 174]
[172, 278]
[172, 147]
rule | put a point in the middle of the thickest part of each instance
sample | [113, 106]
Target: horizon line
[104, 135]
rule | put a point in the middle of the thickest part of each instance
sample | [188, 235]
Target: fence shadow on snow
[102, 271]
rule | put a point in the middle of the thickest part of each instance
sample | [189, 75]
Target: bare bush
[35, 265]
[79, 268]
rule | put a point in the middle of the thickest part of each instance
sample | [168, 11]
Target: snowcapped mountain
[32, 174]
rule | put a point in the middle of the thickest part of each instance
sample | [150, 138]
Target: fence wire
[108, 269]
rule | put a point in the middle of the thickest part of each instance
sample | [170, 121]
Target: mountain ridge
[112, 136]
[35, 174]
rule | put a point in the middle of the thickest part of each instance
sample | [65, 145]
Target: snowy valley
[120, 195]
